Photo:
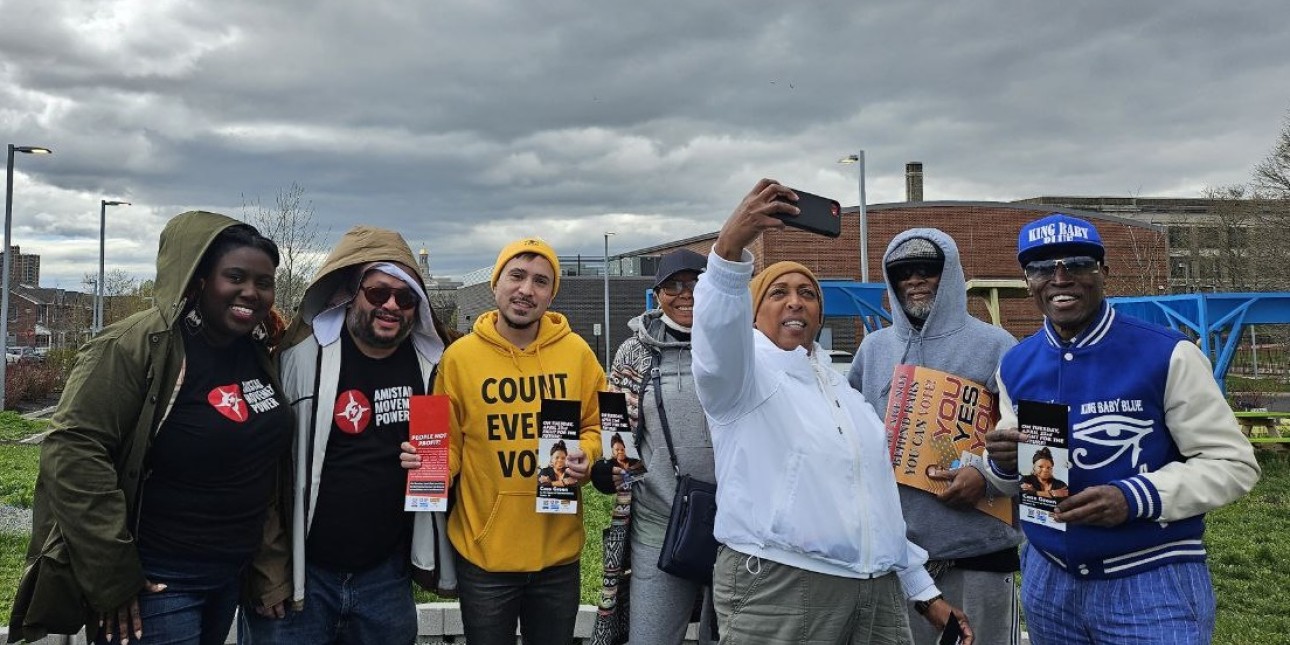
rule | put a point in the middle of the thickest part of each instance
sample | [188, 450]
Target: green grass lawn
[14, 427]
[1249, 557]
[18, 473]
[1249, 546]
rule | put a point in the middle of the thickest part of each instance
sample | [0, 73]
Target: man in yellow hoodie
[515, 564]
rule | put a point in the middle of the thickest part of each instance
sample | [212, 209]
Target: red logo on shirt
[352, 412]
[227, 400]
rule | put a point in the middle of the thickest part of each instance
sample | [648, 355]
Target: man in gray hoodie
[972, 556]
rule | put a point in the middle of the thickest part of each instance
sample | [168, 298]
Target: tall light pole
[864, 217]
[98, 290]
[8, 255]
[607, 350]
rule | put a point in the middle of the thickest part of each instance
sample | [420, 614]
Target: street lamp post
[98, 289]
[864, 218]
[8, 256]
[607, 346]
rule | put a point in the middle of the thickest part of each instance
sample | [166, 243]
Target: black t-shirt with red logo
[358, 518]
[210, 471]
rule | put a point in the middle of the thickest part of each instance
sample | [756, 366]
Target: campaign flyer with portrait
[618, 444]
[557, 490]
[937, 421]
[428, 433]
[1043, 461]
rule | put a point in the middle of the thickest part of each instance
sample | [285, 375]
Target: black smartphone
[819, 215]
[953, 632]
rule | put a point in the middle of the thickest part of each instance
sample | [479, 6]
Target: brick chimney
[914, 181]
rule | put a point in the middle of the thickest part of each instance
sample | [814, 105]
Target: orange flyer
[428, 432]
[939, 420]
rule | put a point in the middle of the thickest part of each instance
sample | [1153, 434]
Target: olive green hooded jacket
[82, 559]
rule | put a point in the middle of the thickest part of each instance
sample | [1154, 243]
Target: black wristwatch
[921, 606]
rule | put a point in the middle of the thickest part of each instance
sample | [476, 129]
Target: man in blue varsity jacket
[1152, 446]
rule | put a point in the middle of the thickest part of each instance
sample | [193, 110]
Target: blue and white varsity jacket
[1145, 416]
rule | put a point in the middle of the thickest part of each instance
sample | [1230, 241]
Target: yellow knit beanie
[520, 247]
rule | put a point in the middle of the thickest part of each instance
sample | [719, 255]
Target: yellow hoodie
[496, 391]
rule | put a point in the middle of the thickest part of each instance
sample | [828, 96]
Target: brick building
[1138, 255]
[25, 268]
[986, 233]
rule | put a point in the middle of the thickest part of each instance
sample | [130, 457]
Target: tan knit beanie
[761, 282]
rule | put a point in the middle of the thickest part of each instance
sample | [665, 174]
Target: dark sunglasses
[378, 295]
[1076, 267]
[677, 287]
[906, 271]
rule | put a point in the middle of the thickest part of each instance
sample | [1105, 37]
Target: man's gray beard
[920, 310]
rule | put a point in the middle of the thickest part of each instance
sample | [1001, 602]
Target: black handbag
[689, 548]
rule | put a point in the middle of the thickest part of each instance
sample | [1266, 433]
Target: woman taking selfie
[163, 462]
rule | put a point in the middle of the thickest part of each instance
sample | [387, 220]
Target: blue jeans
[1173, 603]
[370, 606]
[196, 607]
[545, 603]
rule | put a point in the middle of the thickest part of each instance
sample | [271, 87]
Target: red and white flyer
[428, 432]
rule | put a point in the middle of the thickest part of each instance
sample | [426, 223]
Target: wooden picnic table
[1265, 427]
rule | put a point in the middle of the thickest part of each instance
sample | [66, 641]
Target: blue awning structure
[1215, 320]
[861, 299]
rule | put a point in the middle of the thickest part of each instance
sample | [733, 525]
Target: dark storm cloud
[466, 124]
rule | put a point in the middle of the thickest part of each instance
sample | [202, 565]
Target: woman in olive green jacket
[179, 401]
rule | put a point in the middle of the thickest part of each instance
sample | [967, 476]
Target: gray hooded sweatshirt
[950, 341]
[652, 497]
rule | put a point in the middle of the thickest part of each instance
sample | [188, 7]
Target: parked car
[22, 355]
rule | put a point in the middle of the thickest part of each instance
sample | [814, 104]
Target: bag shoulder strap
[656, 375]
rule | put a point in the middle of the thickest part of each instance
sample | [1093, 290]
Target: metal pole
[864, 226]
[8, 252]
[607, 346]
[99, 320]
[98, 288]
[1254, 349]
[864, 216]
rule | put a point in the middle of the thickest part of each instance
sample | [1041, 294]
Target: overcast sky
[466, 124]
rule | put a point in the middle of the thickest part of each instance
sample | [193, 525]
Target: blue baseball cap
[1060, 231]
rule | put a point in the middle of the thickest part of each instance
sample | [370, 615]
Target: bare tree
[122, 294]
[1233, 222]
[1147, 258]
[1272, 175]
[290, 223]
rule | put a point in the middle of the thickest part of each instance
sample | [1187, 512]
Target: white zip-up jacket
[804, 474]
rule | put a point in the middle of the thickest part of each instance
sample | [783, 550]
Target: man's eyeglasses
[1076, 267]
[677, 287]
[378, 295]
[904, 272]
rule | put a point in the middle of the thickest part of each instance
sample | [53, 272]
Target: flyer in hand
[428, 423]
[1043, 461]
[557, 491]
[937, 421]
[618, 444]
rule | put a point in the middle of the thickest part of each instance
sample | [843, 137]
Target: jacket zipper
[840, 419]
